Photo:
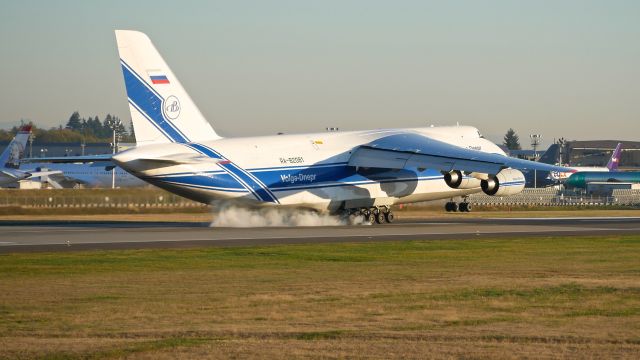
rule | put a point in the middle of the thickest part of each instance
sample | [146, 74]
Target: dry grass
[175, 216]
[542, 297]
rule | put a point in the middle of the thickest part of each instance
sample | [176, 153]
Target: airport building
[598, 152]
[586, 153]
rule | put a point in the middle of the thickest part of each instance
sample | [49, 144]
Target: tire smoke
[236, 216]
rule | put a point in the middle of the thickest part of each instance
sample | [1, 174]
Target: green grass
[478, 298]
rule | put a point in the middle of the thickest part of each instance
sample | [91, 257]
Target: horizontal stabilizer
[178, 159]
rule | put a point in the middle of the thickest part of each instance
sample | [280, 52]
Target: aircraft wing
[407, 150]
[69, 159]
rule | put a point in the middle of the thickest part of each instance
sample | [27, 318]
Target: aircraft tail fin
[161, 110]
[551, 155]
[612, 165]
[10, 157]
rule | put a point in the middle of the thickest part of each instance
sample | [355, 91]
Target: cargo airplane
[355, 172]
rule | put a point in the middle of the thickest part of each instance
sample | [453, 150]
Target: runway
[73, 236]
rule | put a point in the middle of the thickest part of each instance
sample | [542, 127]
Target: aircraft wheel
[447, 206]
[370, 218]
[468, 207]
[380, 218]
[389, 216]
[462, 207]
[451, 207]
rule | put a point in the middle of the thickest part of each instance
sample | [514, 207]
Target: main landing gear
[452, 206]
[379, 215]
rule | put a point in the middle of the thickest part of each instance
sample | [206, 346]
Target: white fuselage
[98, 174]
[309, 170]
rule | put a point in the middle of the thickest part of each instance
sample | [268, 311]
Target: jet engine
[456, 180]
[506, 182]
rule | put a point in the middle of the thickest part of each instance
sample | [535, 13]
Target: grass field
[534, 297]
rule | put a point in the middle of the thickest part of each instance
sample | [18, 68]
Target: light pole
[32, 137]
[114, 148]
[561, 144]
[536, 139]
[82, 143]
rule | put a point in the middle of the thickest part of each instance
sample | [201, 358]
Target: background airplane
[551, 155]
[612, 165]
[90, 172]
[10, 160]
[580, 179]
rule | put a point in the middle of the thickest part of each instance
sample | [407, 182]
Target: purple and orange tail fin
[612, 165]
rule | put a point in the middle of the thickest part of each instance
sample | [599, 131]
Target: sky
[557, 68]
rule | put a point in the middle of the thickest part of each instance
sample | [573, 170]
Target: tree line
[92, 130]
[77, 130]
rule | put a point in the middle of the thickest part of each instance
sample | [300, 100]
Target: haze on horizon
[558, 68]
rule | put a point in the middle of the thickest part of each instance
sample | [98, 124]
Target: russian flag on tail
[158, 77]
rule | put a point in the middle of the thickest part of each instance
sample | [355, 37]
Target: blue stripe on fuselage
[286, 179]
[253, 182]
[250, 182]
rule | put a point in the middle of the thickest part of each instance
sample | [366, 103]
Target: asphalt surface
[26, 236]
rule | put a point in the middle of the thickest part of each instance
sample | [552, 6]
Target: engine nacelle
[506, 182]
[456, 180]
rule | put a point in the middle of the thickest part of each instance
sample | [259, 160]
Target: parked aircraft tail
[11, 156]
[161, 110]
[612, 165]
[551, 155]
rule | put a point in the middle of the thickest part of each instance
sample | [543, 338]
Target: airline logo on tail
[171, 107]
